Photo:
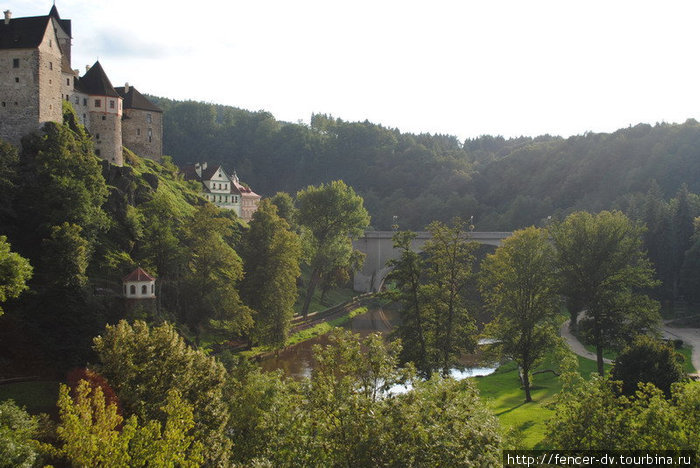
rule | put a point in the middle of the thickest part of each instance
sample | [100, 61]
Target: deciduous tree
[142, 364]
[271, 254]
[333, 215]
[519, 285]
[601, 262]
[15, 271]
[647, 360]
[449, 272]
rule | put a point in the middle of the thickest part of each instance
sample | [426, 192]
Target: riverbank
[316, 324]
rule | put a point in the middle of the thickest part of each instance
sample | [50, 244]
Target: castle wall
[30, 88]
[19, 93]
[142, 133]
[80, 103]
[106, 131]
[50, 78]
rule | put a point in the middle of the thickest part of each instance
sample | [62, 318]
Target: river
[297, 361]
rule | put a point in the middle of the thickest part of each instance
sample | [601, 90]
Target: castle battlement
[36, 76]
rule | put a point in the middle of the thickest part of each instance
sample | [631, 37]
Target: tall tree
[449, 272]
[682, 222]
[271, 254]
[601, 262]
[414, 328]
[15, 271]
[60, 180]
[519, 285]
[690, 272]
[214, 269]
[333, 215]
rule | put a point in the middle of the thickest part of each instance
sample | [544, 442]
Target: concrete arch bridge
[379, 249]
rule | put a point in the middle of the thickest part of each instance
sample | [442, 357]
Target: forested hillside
[504, 183]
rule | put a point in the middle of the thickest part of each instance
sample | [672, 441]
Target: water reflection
[297, 361]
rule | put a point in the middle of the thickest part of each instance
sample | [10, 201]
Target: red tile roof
[139, 274]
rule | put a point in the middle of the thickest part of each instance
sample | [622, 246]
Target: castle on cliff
[36, 75]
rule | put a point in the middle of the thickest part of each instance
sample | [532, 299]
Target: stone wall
[30, 88]
[50, 79]
[106, 131]
[19, 93]
[143, 134]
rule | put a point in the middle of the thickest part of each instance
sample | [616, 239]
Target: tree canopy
[602, 265]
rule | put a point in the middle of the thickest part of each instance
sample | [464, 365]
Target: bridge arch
[379, 249]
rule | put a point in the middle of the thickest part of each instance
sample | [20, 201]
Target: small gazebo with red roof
[139, 285]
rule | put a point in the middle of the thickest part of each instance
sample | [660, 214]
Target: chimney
[87, 68]
[126, 88]
[198, 169]
[204, 165]
[8, 15]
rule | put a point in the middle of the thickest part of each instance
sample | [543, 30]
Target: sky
[458, 67]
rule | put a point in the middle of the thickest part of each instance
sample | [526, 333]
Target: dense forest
[505, 184]
[651, 173]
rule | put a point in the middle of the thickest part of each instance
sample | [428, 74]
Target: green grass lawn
[502, 393]
[36, 396]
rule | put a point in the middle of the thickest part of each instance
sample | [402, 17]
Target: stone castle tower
[36, 76]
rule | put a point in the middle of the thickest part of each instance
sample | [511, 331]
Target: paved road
[690, 336]
[576, 346]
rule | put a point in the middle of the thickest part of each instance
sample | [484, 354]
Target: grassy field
[36, 396]
[502, 393]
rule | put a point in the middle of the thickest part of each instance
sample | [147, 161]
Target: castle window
[111, 104]
[132, 289]
[104, 117]
[85, 101]
[67, 81]
[50, 65]
[50, 43]
[15, 63]
[138, 131]
[67, 97]
[143, 289]
[148, 118]
[77, 100]
[98, 102]
[152, 291]
[16, 79]
[97, 136]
